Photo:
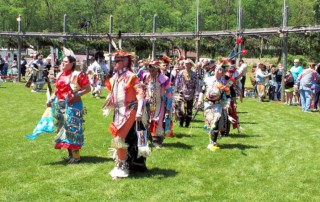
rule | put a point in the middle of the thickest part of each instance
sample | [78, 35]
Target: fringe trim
[144, 151]
[118, 143]
[112, 153]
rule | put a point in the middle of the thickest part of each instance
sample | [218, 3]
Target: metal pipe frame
[203, 34]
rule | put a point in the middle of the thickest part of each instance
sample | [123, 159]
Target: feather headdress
[68, 52]
[223, 62]
[166, 59]
[154, 64]
[119, 51]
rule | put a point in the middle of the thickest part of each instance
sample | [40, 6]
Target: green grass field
[275, 158]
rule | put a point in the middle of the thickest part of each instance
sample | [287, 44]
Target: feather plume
[68, 52]
[120, 40]
[112, 42]
[166, 59]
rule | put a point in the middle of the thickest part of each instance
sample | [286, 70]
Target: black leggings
[187, 116]
[135, 163]
[215, 131]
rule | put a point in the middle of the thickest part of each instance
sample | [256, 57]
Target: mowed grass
[276, 157]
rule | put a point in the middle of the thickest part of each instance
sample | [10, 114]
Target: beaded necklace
[121, 71]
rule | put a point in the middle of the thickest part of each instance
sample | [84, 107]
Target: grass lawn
[275, 158]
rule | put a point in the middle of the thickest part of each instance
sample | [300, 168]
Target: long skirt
[69, 122]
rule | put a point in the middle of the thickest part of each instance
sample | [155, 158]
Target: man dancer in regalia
[187, 86]
[37, 74]
[127, 99]
[215, 96]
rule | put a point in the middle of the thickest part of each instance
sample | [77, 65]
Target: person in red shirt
[68, 108]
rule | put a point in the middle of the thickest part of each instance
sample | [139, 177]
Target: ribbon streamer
[45, 125]
[243, 52]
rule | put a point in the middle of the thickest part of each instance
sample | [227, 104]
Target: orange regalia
[126, 92]
[126, 98]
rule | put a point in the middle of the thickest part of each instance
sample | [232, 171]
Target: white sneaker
[119, 171]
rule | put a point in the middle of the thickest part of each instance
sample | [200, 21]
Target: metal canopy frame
[201, 34]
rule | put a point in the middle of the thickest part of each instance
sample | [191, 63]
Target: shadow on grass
[84, 160]
[3, 87]
[248, 123]
[237, 135]
[155, 173]
[181, 135]
[101, 97]
[196, 127]
[197, 121]
[242, 112]
[238, 146]
[177, 145]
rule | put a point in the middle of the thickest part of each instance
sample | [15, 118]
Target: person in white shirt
[261, 77]
[243, 67]
[96, 73]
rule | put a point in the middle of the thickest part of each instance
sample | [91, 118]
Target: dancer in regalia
[233, 76]
[187, 86]
[37, 74]
[68, 108]
[127, 99]
[215, 96]
[159, 103]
